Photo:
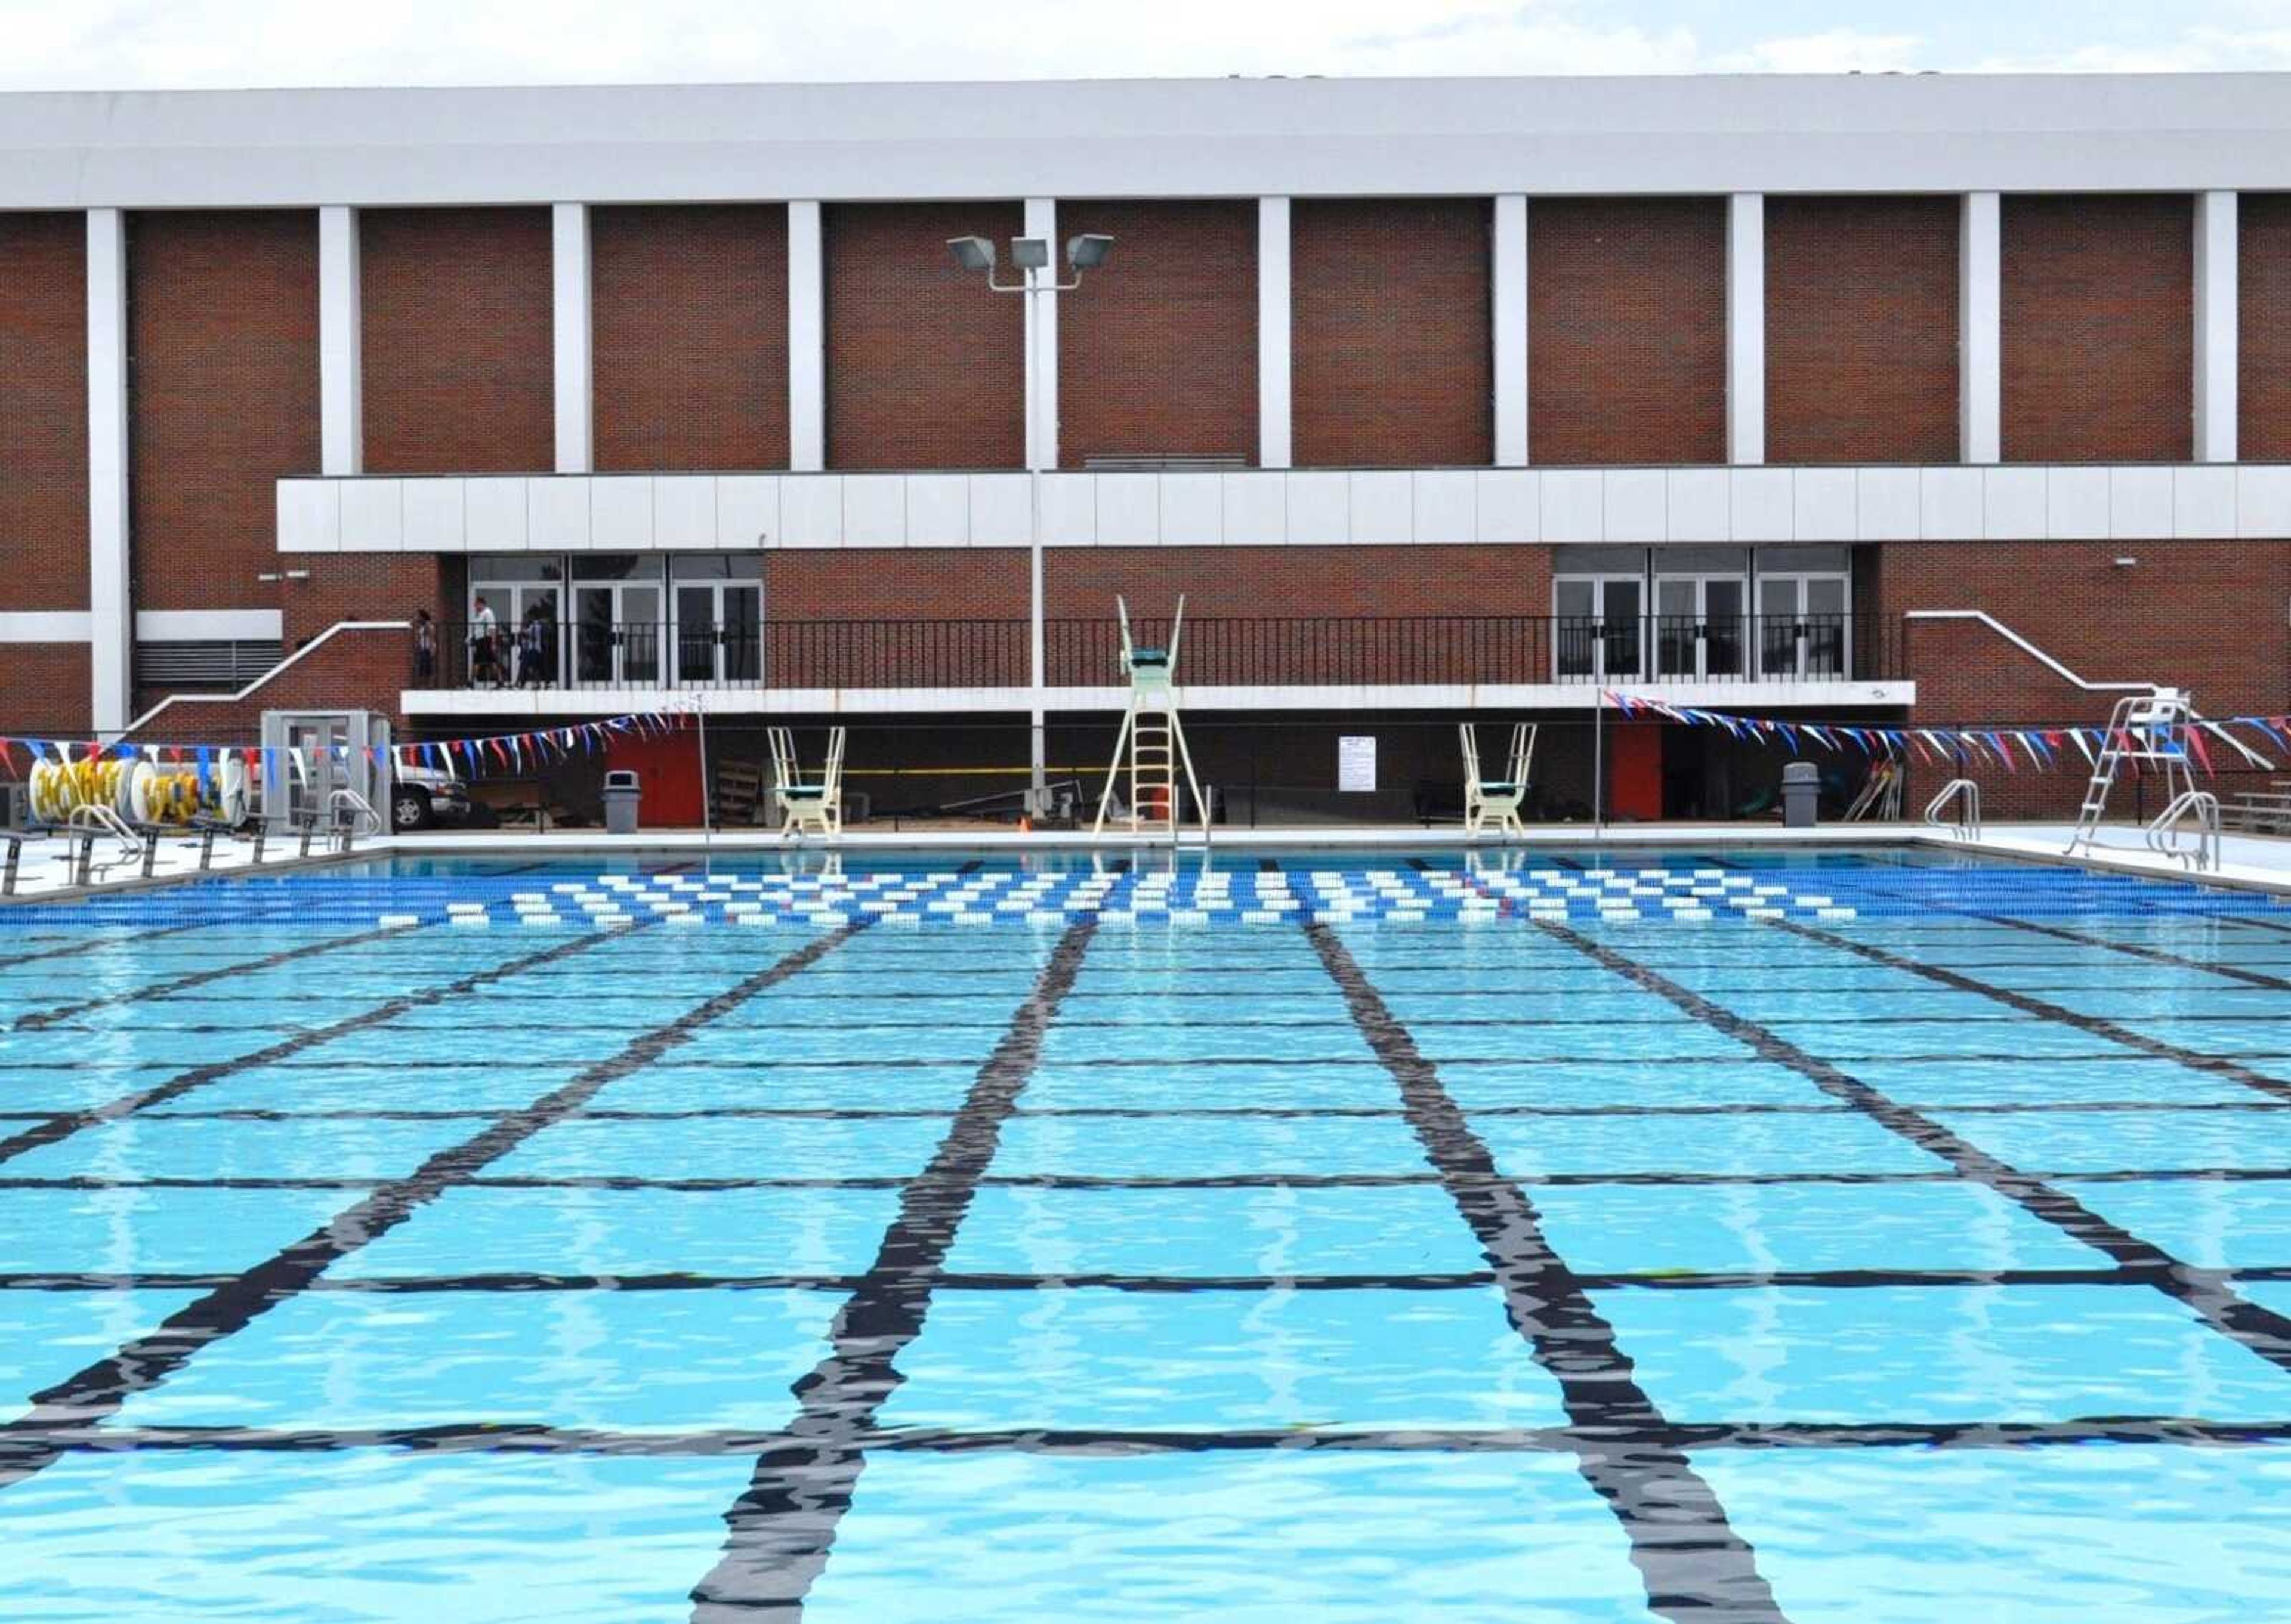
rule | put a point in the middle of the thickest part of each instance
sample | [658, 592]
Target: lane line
[780, 1531]
[95, 1394]
[1694, 1564]
[2262, 1331]
[43, 1019]
[62, 1125]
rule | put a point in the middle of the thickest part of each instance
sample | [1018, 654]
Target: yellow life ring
[45, 798]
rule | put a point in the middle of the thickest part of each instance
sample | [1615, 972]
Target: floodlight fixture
[973, 252]
[1088, 252]
[1030, 252]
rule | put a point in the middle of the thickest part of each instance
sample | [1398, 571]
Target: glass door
[1597, 627]
[1803, 628]
[1699, 626]
[718, 626]
[616, 634]
[313, 740]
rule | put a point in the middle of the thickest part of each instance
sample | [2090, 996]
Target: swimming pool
[1909, 1239]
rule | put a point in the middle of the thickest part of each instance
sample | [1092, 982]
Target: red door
[1634, 772]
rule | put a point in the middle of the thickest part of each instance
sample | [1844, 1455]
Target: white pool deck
[45, 868]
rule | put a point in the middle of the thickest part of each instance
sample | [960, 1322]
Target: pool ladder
[1966, 793]
[2199, 809]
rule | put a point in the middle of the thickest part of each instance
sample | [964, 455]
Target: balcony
[1241, 663]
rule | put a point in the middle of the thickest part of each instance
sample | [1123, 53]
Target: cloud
[1838, 51]
[154, 43]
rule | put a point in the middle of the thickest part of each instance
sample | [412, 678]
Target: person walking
[485, 650]
[425, 650]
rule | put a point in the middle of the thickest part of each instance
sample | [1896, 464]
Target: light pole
[1038, 280]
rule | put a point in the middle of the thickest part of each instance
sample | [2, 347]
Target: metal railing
[2195, 809]
[1253, 651]
[1966, 794]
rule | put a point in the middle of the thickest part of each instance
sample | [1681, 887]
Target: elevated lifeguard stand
[2149, 732]
[1152, 736]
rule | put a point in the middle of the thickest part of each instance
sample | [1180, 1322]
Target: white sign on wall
[1356, 763]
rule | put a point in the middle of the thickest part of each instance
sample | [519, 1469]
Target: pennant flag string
[2039, 748]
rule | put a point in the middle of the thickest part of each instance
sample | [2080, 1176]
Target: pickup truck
[424, 797]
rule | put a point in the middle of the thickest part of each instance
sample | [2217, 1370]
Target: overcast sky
[83, 45]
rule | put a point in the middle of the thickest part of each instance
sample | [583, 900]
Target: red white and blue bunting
[515, 753]
[2016, 749]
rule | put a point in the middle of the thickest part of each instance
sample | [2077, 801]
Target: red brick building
[1435, 400]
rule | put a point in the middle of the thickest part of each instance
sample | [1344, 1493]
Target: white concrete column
[807, 340]
[1273, 398]
[110, 598]
[341, 392]
[1980, 320]
[1746, 327]
[576, 369]
[1508, 273]
[2215, 327]
[1043, 317]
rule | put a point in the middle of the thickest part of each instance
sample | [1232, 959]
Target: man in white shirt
[485, 648]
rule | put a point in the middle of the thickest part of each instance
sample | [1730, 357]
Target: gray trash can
[1801, 788]
[622, 795]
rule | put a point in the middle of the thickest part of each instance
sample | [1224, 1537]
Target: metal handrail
[1306, 651]
[2200, 807]
[363, 818]
[1967, 826]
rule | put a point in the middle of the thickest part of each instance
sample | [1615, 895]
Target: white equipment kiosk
[1152, 736]
[1499, 799]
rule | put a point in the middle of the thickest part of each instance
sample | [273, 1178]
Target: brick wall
[2263, 416]
[689, 315]
[352, 670]
[1390, 364]
[1237, 598]
[955, 588]
[44, 692]
[1488, 579]
[223, 310]
[1861, 329]
[1157, 351]
[1627, 330]
[44, 415]
[2098, 316]
[925, 368]
[2204, 616]
[458, 345]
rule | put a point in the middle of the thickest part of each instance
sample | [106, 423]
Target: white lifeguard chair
[1152, 736]
[1499, 799]
[808, 806]
[2150, 731]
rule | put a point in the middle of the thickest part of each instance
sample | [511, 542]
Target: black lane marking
[2262, 1331]
[2092, 1025]
[1191, 1062]
[1744, 1280]
[780, 1531]
[63, 1124]
[130, 936]
[1693, 1564]
[838, 1114]
[515, 1438]
[45, 1018]
[1220, 1181]
[2137, 950]
[95, 1394]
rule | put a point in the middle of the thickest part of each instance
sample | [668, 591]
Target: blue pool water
[1700, 1235]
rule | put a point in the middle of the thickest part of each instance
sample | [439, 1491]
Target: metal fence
[1255, 651]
